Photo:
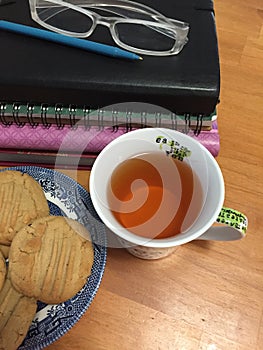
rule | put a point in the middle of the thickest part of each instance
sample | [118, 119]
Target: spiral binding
[2, 116]
[73, 116]
[30, 116]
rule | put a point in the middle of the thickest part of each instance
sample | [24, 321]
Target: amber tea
[155, 195]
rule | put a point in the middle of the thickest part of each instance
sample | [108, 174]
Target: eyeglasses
[133, 26]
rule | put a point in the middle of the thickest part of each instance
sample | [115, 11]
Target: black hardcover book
[37, 71]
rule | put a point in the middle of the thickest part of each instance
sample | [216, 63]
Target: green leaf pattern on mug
[233, 218]
[173, 148]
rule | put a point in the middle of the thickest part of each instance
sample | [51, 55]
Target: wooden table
[207, 295]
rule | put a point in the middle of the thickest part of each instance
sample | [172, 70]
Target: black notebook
[35, 71]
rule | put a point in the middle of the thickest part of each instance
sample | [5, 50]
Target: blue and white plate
[66, 197]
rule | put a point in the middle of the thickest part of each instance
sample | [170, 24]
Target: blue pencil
[68, 40]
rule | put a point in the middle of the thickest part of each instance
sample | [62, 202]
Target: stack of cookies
[50, 257]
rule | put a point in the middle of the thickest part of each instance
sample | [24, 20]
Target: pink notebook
[80, 139]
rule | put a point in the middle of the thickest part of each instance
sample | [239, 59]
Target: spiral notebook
[128, 114]
[36, 71]
[46, 135]
[49, 151]
[55, 97]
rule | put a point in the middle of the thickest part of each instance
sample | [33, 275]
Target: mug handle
[230, 225]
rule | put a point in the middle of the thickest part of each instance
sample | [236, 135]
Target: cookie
[2, 270]
[5, 250]
[50, 259]
[16, 314]
[21, 201]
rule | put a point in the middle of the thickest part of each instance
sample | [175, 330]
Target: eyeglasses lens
[64, 18]
[144, 37]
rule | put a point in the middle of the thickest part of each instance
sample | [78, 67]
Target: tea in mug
[154, 195]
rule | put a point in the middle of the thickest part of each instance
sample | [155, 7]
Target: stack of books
[61, 106]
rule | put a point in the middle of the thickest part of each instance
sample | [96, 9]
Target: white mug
[213, 222]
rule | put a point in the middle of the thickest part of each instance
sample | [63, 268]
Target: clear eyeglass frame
[174, 29]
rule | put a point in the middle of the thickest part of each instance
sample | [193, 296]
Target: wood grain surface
[207, 295]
